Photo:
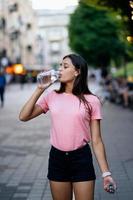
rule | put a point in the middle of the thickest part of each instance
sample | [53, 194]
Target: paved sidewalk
[24, 151]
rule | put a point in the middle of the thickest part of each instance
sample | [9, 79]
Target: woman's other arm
[100, 153]
[98, 146]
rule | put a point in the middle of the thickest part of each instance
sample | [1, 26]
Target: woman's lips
[60, 75]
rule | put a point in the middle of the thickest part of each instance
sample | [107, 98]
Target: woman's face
[67, 70]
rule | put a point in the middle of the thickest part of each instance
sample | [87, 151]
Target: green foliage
[94, 34]
[121, 71]
[121, 6]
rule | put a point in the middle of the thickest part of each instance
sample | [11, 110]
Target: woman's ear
[77, 72]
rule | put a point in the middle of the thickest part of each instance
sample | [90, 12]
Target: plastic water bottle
[47, 76]
[111, 188]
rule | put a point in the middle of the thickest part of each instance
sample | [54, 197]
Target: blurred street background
[34, 36]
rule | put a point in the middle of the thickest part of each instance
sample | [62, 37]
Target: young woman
[76, 115]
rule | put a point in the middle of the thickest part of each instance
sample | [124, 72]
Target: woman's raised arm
[31, 110]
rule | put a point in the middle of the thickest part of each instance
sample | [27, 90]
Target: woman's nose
[60, 69]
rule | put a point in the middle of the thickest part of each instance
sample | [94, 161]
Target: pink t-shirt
[70, 121]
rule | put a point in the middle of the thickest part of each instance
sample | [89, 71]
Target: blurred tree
[94, 34]
[124, 7]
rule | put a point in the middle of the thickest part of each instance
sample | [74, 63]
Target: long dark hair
[80, 86]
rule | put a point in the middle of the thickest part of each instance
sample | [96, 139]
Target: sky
[53, 4]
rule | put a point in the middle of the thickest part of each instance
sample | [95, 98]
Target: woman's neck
[69, 88]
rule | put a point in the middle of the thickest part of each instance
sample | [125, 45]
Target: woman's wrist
[105, 174]
[39, 90]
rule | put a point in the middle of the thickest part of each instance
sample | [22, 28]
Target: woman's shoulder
[92, 98]
[50, 93]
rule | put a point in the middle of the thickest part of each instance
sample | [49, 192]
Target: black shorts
[72, 166]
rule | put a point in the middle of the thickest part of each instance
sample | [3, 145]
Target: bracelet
[104, 174]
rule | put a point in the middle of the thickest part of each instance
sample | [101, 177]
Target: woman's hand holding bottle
[109, 184]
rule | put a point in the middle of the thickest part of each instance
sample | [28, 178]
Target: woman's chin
[61, 80]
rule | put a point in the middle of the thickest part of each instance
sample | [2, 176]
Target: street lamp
[130, 39]
[131, 4]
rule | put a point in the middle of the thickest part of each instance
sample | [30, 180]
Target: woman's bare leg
[84, 190]
[61, 190]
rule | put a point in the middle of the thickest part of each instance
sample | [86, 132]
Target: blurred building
[52, 29]
[36, 38]
[3, 37]
[17, 31]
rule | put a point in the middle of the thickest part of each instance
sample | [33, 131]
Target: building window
[28, 26]
[29, 48]
[13, 8]
[14, 35]
[55, 47]
[2, 23]
[54, 34]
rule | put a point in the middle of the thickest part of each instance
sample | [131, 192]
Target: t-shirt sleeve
[43, 102]
[96, 109]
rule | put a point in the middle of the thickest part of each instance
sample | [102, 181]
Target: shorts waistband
[82, 149]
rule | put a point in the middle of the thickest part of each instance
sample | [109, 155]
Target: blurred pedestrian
[123, 91]
[95, 86]
[2, 87]
[76, 116]
[22, 81]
